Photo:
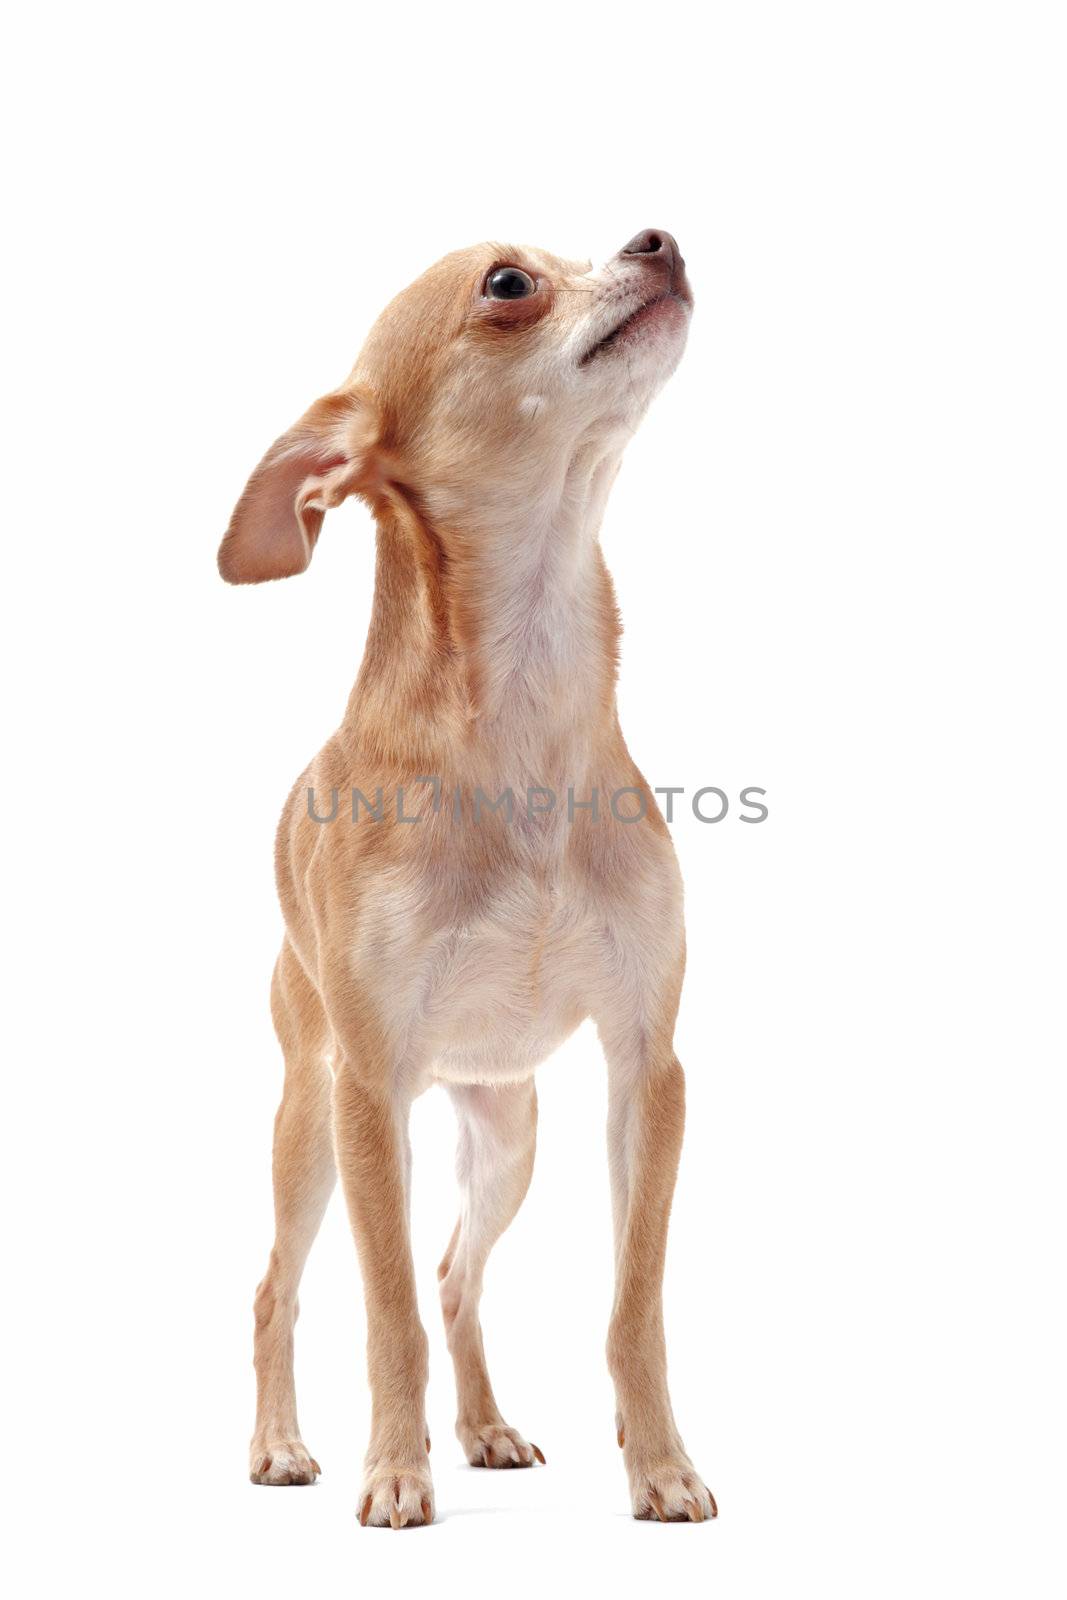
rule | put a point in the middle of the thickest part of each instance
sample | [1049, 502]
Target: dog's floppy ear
[328, 455]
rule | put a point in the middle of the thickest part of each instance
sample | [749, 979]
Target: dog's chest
[487, 994]
[506, 990]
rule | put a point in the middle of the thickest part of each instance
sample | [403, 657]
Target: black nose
[655, 242]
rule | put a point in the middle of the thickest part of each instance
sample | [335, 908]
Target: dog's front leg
[645, 1122]
[370, 1130]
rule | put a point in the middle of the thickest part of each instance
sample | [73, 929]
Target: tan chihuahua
[497, 870]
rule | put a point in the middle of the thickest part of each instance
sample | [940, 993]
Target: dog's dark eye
[509, 283]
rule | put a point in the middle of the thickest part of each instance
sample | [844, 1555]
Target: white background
[837, 543]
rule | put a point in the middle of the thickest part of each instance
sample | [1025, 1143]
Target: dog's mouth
[645, 312]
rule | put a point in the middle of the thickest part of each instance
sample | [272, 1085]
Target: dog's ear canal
[328, 455]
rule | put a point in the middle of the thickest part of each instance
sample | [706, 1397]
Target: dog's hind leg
[497, 1134]
[304, 1174]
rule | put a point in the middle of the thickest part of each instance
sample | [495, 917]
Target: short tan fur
[483, 423]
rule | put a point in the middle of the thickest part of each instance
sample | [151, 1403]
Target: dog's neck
[494, 634]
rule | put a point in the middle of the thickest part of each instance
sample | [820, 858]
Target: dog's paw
[282, 1461]
[671, 1491]
[397, 1497]
[494, 1444]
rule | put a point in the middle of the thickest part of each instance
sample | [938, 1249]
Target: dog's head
[487, 377]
